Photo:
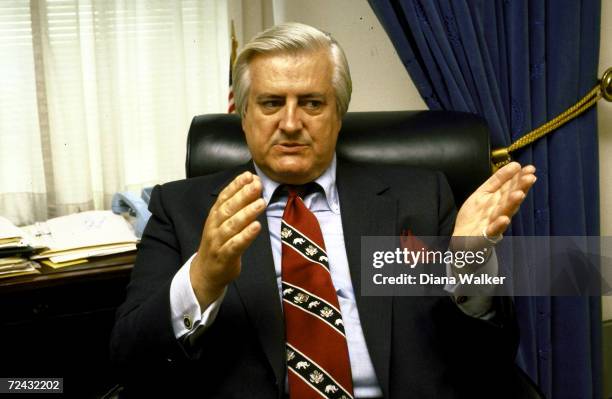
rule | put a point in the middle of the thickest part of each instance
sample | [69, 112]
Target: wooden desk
[59, 324]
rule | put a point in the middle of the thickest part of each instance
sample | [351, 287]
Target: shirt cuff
[187, 315]
[478, 304]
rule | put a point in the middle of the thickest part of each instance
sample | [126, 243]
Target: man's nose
[291, 121]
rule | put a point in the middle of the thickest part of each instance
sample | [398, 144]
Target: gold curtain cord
[501, 156]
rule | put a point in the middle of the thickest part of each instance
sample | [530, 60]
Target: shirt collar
[327, 181]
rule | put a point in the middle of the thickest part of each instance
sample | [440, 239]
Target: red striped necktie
[317, 353]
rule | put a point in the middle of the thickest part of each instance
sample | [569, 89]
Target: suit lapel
[258, 292]
[368, 210]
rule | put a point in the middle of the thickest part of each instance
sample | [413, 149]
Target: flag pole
[234, 46]
[231, 106]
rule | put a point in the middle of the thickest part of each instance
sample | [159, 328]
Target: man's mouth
[290, 147]
[291, 144]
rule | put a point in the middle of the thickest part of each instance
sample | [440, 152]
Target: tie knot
[295, 191]
[300, 190]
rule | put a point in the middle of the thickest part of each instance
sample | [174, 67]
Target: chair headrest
[455, 143]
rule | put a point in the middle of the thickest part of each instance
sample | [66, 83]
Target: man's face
[291, 123]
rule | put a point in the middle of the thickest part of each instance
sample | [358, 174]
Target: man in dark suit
[203, 313]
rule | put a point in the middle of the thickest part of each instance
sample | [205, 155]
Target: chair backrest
[455, 143]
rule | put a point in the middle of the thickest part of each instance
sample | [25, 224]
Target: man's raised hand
[230, 227]
[491, 207]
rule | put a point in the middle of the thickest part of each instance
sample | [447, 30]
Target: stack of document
[81, 238]
[14, 248]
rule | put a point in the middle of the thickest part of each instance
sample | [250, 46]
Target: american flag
[231, 106]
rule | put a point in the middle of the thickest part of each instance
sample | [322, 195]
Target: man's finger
[498, 226]
[226, 207]
[245, 216]
[231, 189]
[238, 201]
[236, 246]
[500, 177]
[512, 204]
[526, 182]
[529, 169]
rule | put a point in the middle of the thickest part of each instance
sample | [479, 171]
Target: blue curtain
[519, 63]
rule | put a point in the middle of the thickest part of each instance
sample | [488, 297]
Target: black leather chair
[455, 143]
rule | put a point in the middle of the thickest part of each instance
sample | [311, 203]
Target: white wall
[380, 81]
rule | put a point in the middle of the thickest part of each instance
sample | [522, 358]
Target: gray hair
[292, 37]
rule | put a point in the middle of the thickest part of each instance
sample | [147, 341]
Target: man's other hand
[491, 207]
[230, 227]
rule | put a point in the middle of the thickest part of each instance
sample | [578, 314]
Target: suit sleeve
[499, 333]
[143, 331]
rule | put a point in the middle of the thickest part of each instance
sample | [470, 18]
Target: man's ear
[243, 118]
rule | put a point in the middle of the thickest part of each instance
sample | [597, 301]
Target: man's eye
[313, 104]
[271, 104]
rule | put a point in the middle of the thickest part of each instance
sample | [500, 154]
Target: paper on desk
[108, 249]
[92, 252]
[11, 260]
[54, 265]
[21, 264]
[81, 230]
[9, 233]
[24, 269]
